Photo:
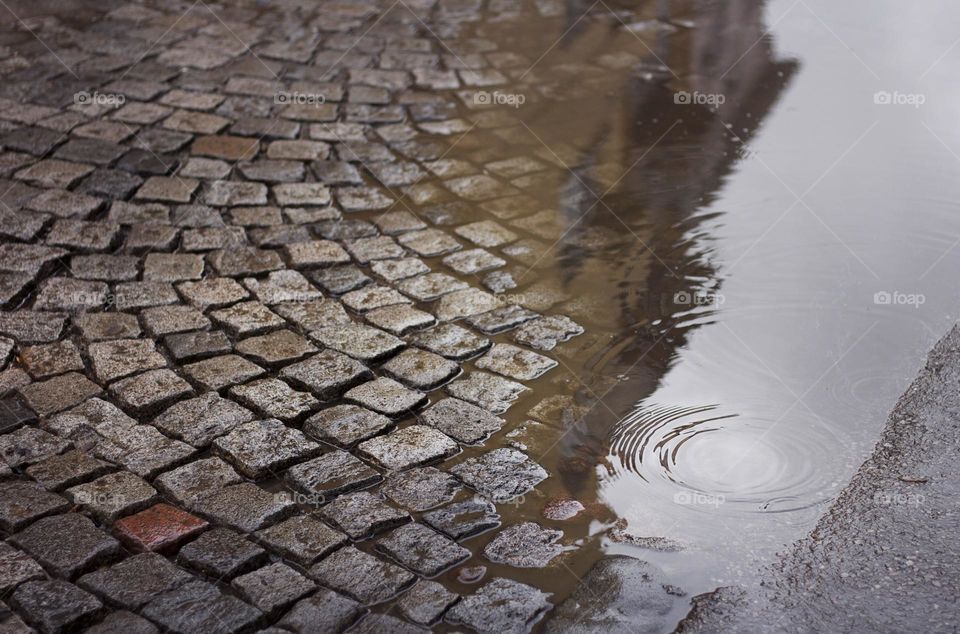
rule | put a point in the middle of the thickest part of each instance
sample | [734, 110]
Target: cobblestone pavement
[259, 325]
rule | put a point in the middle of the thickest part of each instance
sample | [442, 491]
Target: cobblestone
[500, 605]
[222, 554]
[16, 568]
[302, 539]
[515, 363]
[272, 398]
[421, 549]
[223, 371]
[135, 581]
[24, 502]
[113, 495]
[359, 341]
[502, 473]
[464, 519]
[331, 474]
[255, 292]
[525, 545]
[326, 609]
[346, 425]
[361, 576]
[68, 469]
[272, 587]
[326, 374]
[386, 396]
[362, 514]
[421, 489]
[412, 446]
[260, 448]
[490, 392]
[81, 545]
[53, 605]
[200, 607]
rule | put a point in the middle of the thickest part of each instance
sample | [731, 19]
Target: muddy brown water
[759, 278]
[755, 220]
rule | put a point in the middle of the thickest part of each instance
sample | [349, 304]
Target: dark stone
[135, 581]
[221, 553]
[81, 544]
[422, 550]
[324, 613]
[24, 502]
[201, 607]
[464, 519]
[501, 605]
[53, 605]
[361, 576]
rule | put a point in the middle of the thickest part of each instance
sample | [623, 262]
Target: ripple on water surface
[703, 456]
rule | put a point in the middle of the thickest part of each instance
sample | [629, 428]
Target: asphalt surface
[885, 556]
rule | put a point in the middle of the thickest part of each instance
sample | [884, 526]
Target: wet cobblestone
[244, 340]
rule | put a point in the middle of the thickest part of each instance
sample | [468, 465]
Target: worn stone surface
[426, 602]
[362, 514]
[412, 446]
[123, 621]
[23, 502]
[29, 445]
[326, 611]
[54, 605]
[515, 363]
[451, 341]
[501, 319]
[222, 554]
[135, 581]
[113, 495]
[361, 576]
[400, 319]
[420, 369]
[149, 392]
[359, 341]
[421, 489]
[327, 374]
[122, 357]
[545, 333]
[346, 425]
[272, 398]
[244, 506]
[331, 474]
[220, 372]
[272, 587]
[464, 519]
[461, 420]
[422, 549]
[198, 344]
[261, 448]
[16, 567]
[73, 467]
[489, 391]
[500, 605]
[302, 539]
[81, 545]
[198, 421]
[502, 473]
[386, 396]
[525, 545]
[200, 607]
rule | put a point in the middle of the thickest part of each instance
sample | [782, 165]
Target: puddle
[759, 274]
